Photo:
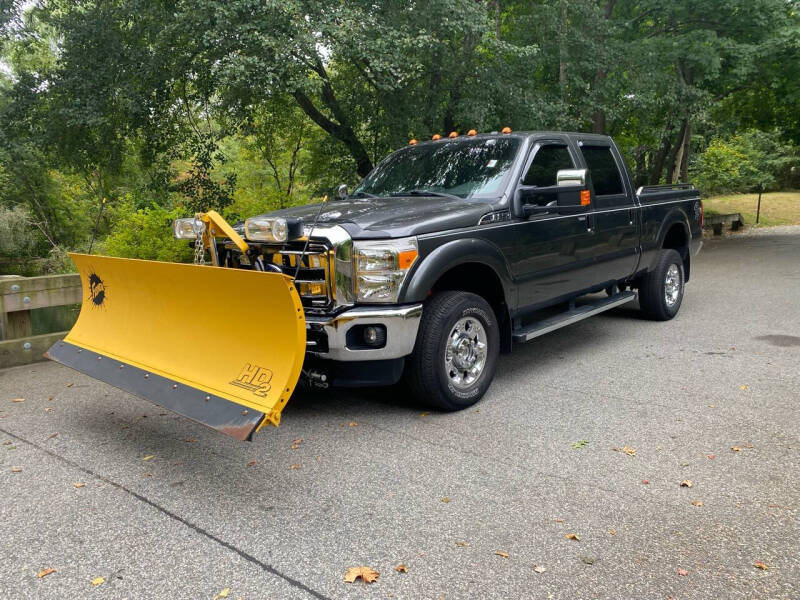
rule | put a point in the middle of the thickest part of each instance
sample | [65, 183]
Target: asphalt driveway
[587, 431]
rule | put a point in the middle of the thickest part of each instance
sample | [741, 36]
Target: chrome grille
[314, 277]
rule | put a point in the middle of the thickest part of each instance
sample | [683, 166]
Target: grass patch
[777, 208]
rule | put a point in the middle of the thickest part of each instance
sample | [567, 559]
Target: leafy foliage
[162, 108]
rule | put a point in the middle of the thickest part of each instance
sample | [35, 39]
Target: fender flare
[675, 216]
[452, 254]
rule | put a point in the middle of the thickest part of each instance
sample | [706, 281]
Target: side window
[549, 160]
[603, 170]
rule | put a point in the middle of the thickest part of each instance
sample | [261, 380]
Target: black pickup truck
[451, 250]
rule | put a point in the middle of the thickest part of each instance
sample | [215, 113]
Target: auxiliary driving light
[272, 229]
[188, 228]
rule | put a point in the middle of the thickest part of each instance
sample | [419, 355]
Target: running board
[571, 316]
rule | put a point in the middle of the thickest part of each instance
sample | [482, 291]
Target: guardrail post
[20, 295]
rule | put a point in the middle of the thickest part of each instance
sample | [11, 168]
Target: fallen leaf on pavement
[425, 414]
[760, 565]
[539, 569]
[18, 400]
[573, 536]
[401, 568]
[503, 554]
[462, 544]
[294, 467]
[736, 449]
[78, 484]
[366, 574]
[697, 502]
[190, 440]
[45, 572]
[52, 436]
[251, 463]
[352, 424]
[223, 594]
[683, 572]
[686, 483]
[743, 388]
[612, 532]
[579, 444]
[445, 499]
[149, 456]
[587, 560]
[646, 481]
[7, 443]
[48, 409]
[296, 443]
[710, 457]
[98, 581]
[70, 384]
[16, 469]
[627, 450]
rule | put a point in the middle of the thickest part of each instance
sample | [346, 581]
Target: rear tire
[661, 290]
[455, 354]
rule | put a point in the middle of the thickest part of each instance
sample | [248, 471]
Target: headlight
[272, 229]
[381, 266]
[187, 229]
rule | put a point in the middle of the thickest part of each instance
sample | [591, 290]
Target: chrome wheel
[465, 353]
[672, 285]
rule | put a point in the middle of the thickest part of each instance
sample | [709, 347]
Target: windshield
[463, 168]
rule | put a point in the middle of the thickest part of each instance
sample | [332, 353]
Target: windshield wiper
[426, 193]
[362, 195]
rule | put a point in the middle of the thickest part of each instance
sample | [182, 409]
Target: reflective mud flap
[221, 346]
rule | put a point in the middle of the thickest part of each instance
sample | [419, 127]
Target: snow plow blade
[221, 346]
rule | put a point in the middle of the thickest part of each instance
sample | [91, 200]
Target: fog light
[374, 336]
[371, 336]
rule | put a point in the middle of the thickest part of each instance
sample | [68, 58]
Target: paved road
[372, 471]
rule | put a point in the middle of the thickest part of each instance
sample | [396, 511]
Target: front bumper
[401, 324]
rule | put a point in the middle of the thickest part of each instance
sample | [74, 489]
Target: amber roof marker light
[472, 132]
[412, 142]
[506, 130]
[453, 134]
[436, 136]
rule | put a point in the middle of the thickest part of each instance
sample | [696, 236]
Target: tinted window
[463, 167]
[603, 170]
[549, 160]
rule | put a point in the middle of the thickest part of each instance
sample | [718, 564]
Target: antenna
[308, 237]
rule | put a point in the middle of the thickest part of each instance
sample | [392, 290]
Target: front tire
[661, 290]
[455, 354]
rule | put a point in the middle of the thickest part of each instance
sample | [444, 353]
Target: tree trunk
[687, 144]
[675, 157]
[657, 167]
[562, 51]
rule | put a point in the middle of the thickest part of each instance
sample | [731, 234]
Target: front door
[550, 255]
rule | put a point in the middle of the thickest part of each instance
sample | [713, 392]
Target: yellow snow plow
[221, 346]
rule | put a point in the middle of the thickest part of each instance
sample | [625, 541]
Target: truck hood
[371, 218]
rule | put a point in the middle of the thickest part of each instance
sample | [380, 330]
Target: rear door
[615, 223]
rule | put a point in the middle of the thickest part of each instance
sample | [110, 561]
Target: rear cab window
[605, 175]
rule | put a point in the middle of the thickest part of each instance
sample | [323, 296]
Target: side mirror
[341, 191]
[571, 177]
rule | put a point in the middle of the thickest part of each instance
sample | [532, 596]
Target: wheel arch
[468, 265]
[676, 235]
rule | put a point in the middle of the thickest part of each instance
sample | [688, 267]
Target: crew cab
[452, 250]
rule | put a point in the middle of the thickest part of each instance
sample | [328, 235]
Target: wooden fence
[18, 297]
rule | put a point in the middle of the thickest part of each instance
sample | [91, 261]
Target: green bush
[146, 234]
[743, 163]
